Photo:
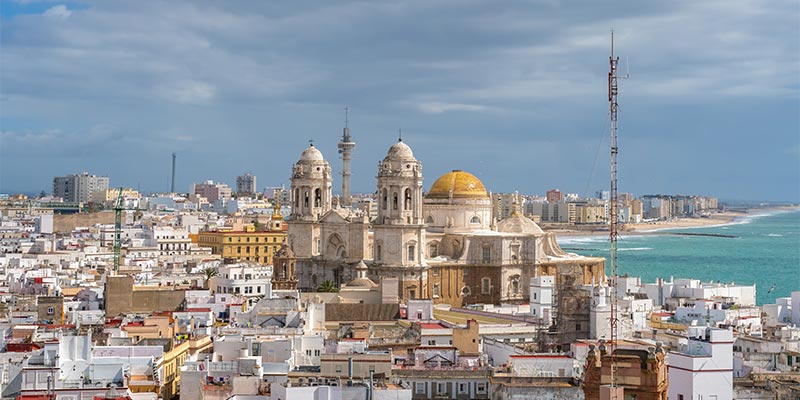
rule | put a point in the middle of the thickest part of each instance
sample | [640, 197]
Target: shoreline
[654, 228]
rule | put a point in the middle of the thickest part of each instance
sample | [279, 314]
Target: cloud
[188, 92]
[59, 11]
[439, 107]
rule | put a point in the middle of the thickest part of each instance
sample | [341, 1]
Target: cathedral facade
[444, 245]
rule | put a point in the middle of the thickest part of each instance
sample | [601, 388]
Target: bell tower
[284, 273]
[311, 186]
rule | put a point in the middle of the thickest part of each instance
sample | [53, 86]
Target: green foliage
[327, 287]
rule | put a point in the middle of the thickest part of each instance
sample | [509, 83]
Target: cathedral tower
[399, 232]
[311, 186]
[311, 198]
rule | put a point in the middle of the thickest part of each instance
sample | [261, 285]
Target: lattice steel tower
[613, 90]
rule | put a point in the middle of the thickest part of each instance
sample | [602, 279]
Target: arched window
[317, 197]
[378, 252]
[465, 291]
[475, 220]
[385, 198]
[429, 220]
[394, 201]
[297, 197]
[515, 286]
[407, 202]
[306, 199]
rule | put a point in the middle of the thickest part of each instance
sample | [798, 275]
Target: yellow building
[247, 245]
[110, 195]
[590, 214]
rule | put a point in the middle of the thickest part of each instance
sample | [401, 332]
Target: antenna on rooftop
[172, 185]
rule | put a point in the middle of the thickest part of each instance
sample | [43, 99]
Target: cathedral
[444, 244]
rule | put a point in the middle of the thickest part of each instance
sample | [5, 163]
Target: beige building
[444, 245]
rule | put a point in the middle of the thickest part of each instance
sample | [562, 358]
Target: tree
[328, 287]
[208, 273]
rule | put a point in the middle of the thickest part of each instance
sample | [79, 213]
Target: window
[475, 220]
[480, 388]
[411, 251]
[433, 250]
[419, 388]
[378, 252]
[407, 203]
[316, 353]
[385, 199]
[394, 201]
[577, 327]
[306, 199]
[462, 388]
[258, 289]
[435, 290]
[487, 254]
[50, 310]
[515, 286]
[534, 295]
[308, 353]
[435, 271]
[486, 286]
[317, 197]
[338, 368]
[441, 388]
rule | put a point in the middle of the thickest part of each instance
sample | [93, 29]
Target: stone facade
[444, 245]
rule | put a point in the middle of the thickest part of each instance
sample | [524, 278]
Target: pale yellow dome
[458, 184]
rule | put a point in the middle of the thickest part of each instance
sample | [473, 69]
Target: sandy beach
[715, 219]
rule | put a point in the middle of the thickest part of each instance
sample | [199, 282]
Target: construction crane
[119, 207]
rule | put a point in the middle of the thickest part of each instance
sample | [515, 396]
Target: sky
[514, 92]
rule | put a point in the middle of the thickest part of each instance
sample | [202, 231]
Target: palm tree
[208, 273]
[328, 287]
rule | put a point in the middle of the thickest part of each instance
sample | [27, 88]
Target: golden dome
[458, 184]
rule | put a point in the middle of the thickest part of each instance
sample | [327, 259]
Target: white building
[670, 292]
[248, 280]
[703, 368]
[541, 297]
[745, 319]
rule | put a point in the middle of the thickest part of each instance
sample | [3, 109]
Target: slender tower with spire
[346, 146]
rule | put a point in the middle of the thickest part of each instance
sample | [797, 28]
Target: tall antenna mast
[172, 184]
[613, 90]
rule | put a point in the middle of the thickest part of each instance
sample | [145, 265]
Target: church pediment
[334, 217]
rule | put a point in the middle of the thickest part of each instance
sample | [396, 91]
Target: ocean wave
[580, 239]
[774, 235]
[636, 249]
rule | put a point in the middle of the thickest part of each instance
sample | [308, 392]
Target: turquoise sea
[766, 251]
